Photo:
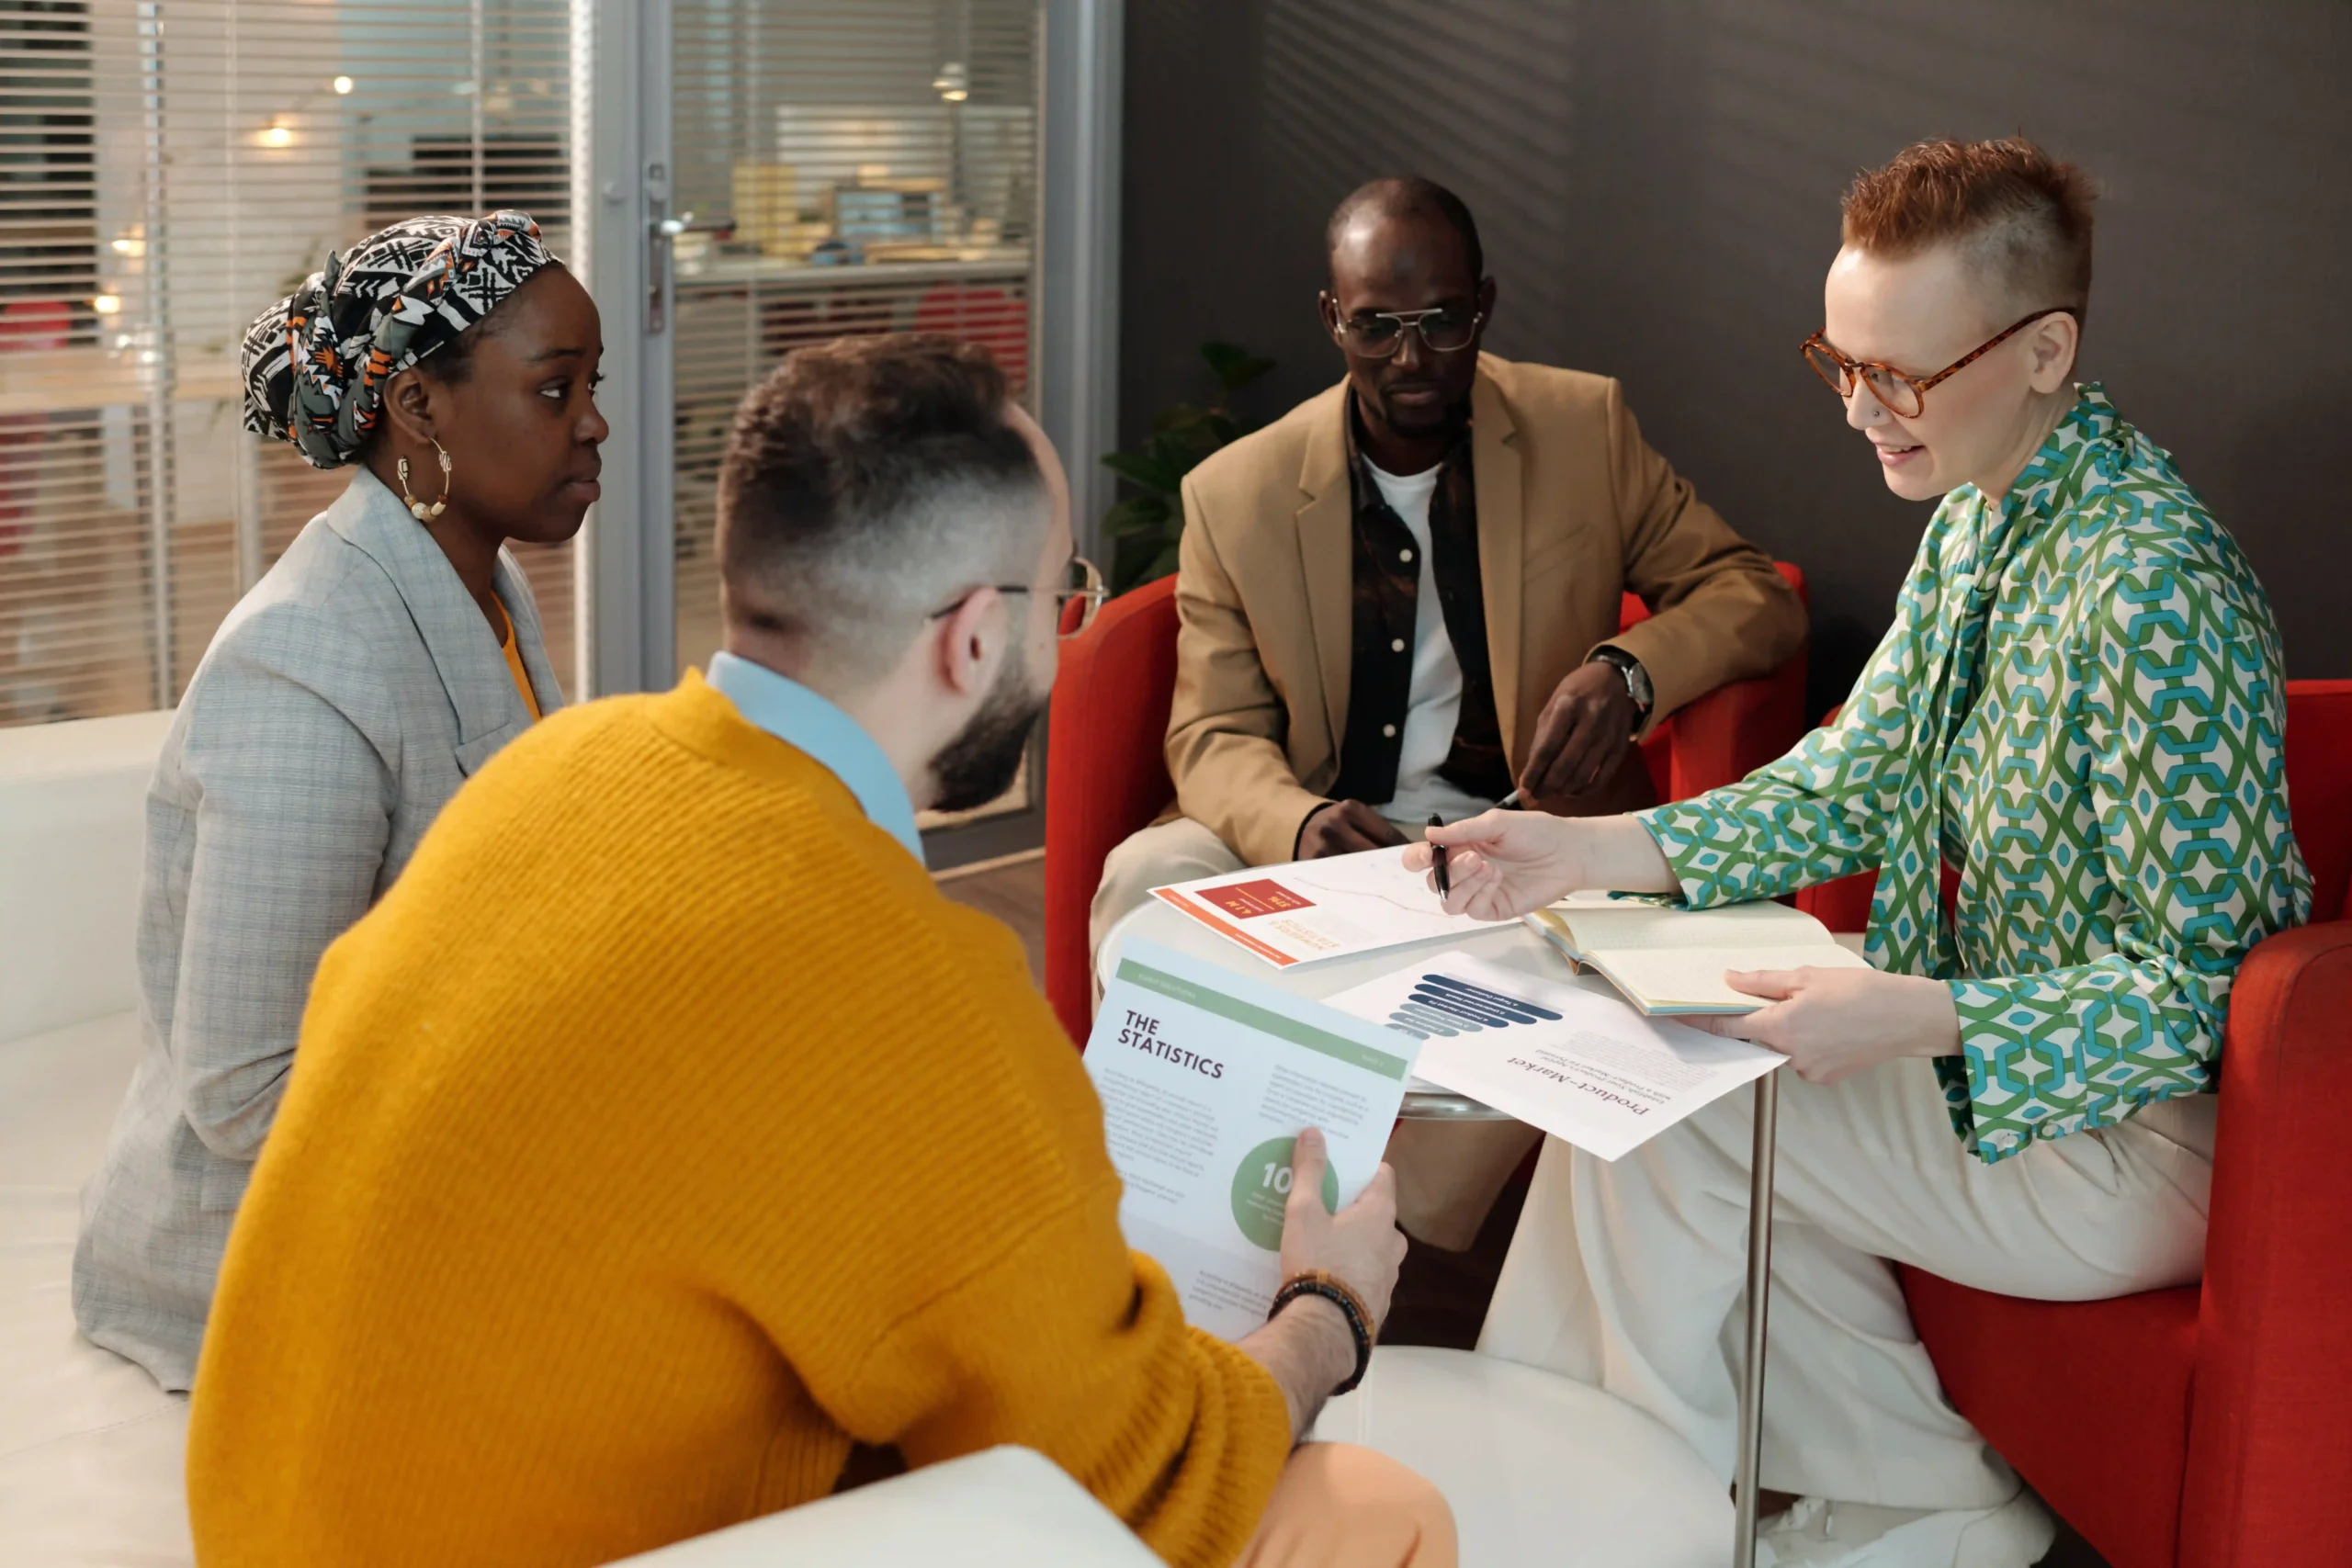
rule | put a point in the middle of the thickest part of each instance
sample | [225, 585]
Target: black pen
[1437, 857]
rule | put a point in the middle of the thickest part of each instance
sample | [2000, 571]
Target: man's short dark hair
[1407, 196]
[867, 482]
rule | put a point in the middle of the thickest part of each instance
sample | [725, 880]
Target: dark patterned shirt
[1387, 573]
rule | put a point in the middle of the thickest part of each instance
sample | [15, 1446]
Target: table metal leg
[1759, 1295]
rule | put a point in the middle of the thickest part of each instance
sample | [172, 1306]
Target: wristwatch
[1638, 679]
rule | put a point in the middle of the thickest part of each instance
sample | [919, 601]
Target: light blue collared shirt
[806, 722]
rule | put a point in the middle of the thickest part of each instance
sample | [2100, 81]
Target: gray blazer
[338, 708]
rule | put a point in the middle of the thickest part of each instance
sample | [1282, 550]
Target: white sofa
[72, 813]
[1537, 1468]
[90, 1449]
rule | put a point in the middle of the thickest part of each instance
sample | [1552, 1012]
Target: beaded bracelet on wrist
[1331, 1288]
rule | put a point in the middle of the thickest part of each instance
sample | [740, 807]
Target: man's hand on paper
[1307, 1347]
[1833, 1024]
[1360, 1244]
[1501, 865]
[1345, 827]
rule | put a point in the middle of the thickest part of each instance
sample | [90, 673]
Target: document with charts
[1568, 1055]
[1320, 909]
[1206, 1078]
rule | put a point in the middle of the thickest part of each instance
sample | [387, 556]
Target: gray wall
[1656, 184]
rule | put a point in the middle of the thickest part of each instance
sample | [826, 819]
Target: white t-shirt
[1434, 701]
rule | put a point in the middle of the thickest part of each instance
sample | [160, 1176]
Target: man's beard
[1430, 419]
[1416, 423]
[984, 759]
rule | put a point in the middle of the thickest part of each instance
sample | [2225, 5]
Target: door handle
[661, 242]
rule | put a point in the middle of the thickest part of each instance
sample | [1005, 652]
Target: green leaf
[1132, 563]
[1234, 366]
[1181, 416]
[1222, 357]
[1181, 447]
[1140, 514]
[1139, 562]
[1178, 452]
[1150, 472]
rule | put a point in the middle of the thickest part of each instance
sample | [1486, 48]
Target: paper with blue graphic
[1568, 1055]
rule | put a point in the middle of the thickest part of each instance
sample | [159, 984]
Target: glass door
[852, 167]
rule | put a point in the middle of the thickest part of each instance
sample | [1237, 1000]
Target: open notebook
[1669, 960]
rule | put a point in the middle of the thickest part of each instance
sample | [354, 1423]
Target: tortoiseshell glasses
[1904, 395]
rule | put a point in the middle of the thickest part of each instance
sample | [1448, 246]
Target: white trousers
[1631, 1277]
[1448, 1173]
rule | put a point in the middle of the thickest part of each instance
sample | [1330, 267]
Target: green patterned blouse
[2079, 707]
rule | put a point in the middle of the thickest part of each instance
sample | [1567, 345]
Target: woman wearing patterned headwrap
[451, 363]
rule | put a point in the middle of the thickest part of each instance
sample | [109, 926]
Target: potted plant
[1145, 526]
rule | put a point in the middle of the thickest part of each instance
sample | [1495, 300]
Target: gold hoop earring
[417, 509]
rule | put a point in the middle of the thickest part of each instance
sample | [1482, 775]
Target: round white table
[1512, 946]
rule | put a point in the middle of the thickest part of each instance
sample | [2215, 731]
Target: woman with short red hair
[2079, 708]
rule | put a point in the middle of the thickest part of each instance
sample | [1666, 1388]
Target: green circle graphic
[1262, 1188]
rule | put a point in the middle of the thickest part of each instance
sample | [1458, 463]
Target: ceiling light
[343, 85]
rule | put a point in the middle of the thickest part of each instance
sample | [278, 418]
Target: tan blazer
[1574, 509]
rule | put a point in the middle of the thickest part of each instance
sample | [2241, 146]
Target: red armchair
[1106, 769]
[2207, 1427]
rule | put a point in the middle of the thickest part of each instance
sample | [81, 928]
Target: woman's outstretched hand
[1503, 864]
[1500, 864]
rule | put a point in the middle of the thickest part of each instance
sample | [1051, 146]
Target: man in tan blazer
[1402, 597]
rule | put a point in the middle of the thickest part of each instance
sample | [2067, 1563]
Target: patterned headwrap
[316, 362]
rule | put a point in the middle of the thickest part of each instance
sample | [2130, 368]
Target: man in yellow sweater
[665, 1150]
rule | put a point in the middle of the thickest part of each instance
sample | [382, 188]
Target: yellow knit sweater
[660, 1136]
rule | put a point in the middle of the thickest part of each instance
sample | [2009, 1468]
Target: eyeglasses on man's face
[1075, 601]
[1904, 395]
[1378, 334]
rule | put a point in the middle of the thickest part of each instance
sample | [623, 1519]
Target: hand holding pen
[1437, 851]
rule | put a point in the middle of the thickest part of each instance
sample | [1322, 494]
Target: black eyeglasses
[1378, 334]
[1903, 395]
[1083, 588]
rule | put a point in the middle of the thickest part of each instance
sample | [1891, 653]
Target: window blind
[851, 167]
[167, 168]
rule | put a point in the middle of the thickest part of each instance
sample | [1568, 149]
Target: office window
[167, 168]
[860, 166]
